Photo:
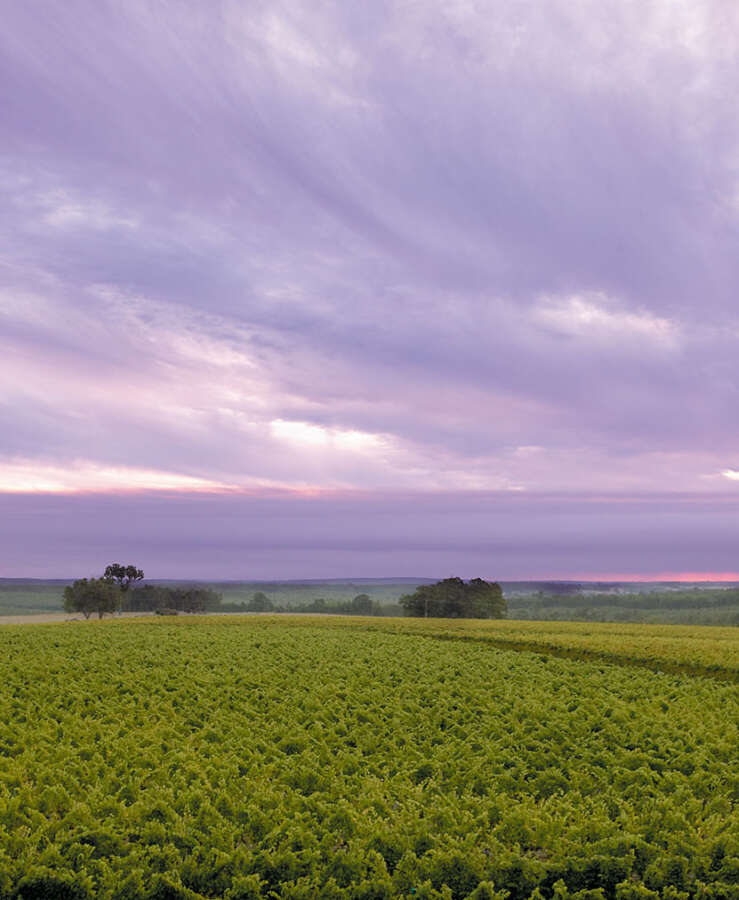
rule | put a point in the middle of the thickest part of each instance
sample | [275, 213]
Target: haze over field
[307, 290]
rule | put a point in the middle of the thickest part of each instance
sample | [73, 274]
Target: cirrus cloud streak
[387, 247]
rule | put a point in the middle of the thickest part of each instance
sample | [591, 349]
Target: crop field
[18, 597]
[681, 648]
[318, 757]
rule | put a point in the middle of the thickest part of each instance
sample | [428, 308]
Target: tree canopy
[123, 576]
[362, 605]
[89, 595]
[453, 598]
[182, 599]
[260, 602]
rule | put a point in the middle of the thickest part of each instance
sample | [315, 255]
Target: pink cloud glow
[32, 477]
[654, 576]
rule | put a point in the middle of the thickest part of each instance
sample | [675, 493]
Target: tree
[260, 603]
[182, 599]
[422, 602]
[485, 599]
[452, 598]
[123, 576]
[362, 605]
[89, 595]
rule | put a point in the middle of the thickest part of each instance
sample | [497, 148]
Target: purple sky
[362, 289]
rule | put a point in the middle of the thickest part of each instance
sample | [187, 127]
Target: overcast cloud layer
[384, 255]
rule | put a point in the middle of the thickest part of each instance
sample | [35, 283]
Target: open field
[20, 597]
[259, 756]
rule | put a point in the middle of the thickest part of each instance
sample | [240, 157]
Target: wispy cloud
[80, 476]
[386, 246]
[598, 320]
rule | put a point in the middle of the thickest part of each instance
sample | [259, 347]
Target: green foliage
[260, 602]
[91, 595]
[362, 605]
[704, 606]
[156, 598]
[453, 598]
[44, 884]
[533, 601]
[258, 757]
[123, 576]
[707, 651]
[646, 600]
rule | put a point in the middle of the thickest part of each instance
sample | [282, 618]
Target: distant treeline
[693, 606]
[158, 598]
[361, 605]
[154, 597]
[690, 599]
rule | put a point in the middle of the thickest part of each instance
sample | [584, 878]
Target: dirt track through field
[40, 618]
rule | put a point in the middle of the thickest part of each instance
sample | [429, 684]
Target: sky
[324, 289]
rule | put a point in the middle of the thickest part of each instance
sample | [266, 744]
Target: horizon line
[631, 578]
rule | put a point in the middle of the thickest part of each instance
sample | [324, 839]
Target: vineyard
[706, 651]
[353, 758]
